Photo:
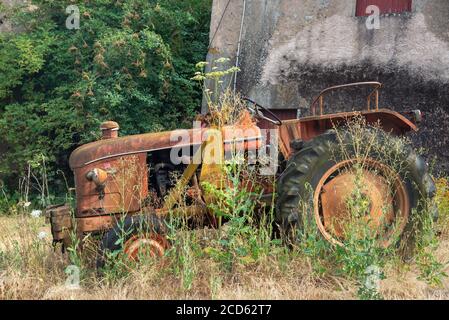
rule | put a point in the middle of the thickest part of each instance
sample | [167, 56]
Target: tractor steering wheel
[255, 110]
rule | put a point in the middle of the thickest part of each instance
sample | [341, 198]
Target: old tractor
[124, 183]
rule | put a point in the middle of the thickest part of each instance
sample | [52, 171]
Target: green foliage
[130, 61]
[430, 267]
[184, 252]
[242, 240]
[360, 258]
[216, 78]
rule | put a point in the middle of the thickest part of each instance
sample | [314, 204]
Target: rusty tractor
[127, 179]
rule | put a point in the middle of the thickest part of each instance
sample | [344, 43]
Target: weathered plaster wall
[291, 49]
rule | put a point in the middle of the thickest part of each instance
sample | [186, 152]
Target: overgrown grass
[240, 259]
[212, 264]
[362, 258]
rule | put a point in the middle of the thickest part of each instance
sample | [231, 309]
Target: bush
[130, 61]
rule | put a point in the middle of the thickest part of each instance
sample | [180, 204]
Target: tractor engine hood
[109, 148]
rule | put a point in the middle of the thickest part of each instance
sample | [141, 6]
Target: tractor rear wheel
[134, 237]
[338, 181]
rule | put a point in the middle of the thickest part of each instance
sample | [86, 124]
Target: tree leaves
[130, 61]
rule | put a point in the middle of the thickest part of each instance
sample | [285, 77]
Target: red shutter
[385, 6]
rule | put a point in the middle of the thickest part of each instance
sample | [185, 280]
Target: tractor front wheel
[134, 237]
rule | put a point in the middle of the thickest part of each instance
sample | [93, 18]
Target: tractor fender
[307, 128]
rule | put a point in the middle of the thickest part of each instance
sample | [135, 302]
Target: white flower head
[42, 235]
[27, 204]
[36, 213]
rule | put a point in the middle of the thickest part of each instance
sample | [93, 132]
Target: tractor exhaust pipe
[109, 130]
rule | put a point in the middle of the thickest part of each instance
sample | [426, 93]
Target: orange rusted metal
[109, 130]
[98, 176]
[334, 196]
[308, 128]
[144, 143]
[387, 205]
[96, 223]
[376, 94]
[124, 189]
[125, 161]
[124, 146]
[101, 222]
[60, 218]
[112, 175]
[376, 85]
[151, 244]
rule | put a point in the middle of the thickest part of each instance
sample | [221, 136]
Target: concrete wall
[291, 49]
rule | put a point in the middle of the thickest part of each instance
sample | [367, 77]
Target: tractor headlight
[97, 176]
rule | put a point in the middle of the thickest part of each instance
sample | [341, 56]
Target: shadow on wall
[401, 92]
[410, 59]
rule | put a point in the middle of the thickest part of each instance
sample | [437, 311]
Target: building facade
[292, 49]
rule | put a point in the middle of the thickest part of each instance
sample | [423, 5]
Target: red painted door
[385, 6]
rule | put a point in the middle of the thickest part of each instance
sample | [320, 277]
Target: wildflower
[36, 213]
[201, 65]
[42, 235]
[222, 60]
